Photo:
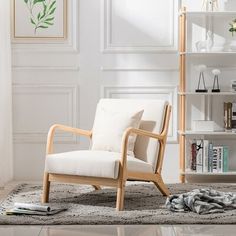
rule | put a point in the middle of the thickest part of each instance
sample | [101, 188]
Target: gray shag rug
[143, 205]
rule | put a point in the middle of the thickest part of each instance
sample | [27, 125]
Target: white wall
[115, 48]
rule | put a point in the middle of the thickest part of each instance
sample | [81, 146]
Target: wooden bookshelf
[183, 94]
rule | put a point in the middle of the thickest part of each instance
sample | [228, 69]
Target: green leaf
[44, 11]
[48, 23]
[52, 11]
[50, 19]
[43, 27]
[32, 21]
[36, 1]
[39, 14]
[52, 5]
[26, 1]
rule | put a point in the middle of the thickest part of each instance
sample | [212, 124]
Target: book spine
[205, 155]
[210, 157]
[215, 160]
[226, 159]
[193, 156]
[199, 158]
[220, 159]
[234, 115]
[227, 115]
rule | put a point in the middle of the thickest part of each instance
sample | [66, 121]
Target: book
[226, 159]
[199, 156]
[17, 211]
[228, 116]
[234, 116]
[193, 156]
[205, 155]
[215, 160]
[220, 159]
[210, 156]
[32, 209]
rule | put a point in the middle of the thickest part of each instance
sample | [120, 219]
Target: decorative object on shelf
[201, 89]
[232, 28]
[216, 87]
[228, 116]
[233, 116]
[205, 45]
[233, 85]
[210, 5]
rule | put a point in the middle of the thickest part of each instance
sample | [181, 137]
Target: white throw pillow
[109, 126]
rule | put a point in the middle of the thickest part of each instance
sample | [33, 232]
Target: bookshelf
[229, 173]
[185, 55]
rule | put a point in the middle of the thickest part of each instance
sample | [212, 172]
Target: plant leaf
[32, 21]
[43, 27]
[52, 5]
[48, 23]
[26, 1]
[39, 14]
[44, 11]
[50, 19]
[52, 11]
[36, 1]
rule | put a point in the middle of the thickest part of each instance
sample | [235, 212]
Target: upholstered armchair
[128, 141]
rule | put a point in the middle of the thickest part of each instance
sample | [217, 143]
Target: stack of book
[206, 157]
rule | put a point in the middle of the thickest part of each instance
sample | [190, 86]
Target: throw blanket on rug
[202, 201]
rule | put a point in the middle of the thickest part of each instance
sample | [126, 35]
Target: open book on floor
[32, 209]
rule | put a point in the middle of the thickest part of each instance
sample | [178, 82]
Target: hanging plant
[44, 17]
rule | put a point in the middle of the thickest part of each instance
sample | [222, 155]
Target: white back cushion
[152, 120]
[110, 125]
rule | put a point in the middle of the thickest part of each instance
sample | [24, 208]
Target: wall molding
[70, 45]
[54, 68]
[107, 46]
[150, 69]
[48, 89]
[170, 90]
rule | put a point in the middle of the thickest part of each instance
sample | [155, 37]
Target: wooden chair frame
[123, 175]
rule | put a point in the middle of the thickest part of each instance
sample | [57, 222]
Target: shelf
[209, 174]
[209, 13]
[214, 133]
[209, 93]
[208, 53]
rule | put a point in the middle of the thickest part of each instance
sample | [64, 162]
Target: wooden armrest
[146, 133]
[125, 138]
[73, 130]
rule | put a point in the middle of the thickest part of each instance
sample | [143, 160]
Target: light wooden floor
[106, 230]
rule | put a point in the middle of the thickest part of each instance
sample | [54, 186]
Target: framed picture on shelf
[39, 20]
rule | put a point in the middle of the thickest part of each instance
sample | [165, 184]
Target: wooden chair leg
[97, 187]
[46, 188]
[120, 197]
[161, 186]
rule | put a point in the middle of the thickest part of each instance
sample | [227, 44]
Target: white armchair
[113, 168]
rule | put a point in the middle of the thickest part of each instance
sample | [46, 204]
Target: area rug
[143, 205]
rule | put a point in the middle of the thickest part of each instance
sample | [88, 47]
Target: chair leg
[161, 186]
[120, 196]
[97, 187]
[46, 188]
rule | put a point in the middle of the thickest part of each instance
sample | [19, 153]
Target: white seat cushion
[92, 163]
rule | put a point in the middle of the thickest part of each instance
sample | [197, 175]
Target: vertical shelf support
[182, 88]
